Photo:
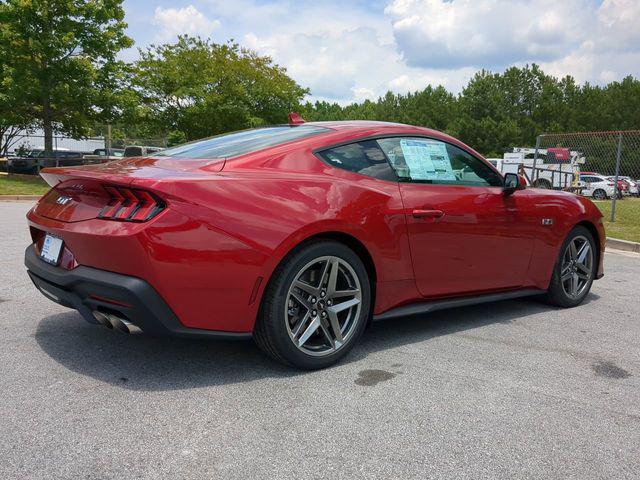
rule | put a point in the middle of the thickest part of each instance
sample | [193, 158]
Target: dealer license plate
[51, 249]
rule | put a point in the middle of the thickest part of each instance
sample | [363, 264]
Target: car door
[466, 236]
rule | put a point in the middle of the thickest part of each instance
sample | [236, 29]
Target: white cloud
[486, 33]
[349, 64]
[188, 20]
[591, 41]
[351, 51]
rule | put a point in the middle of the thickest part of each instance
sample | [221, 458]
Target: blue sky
[351, 50]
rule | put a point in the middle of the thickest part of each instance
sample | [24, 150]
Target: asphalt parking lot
[514, 389]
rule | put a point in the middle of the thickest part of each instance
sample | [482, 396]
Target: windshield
[238, 143]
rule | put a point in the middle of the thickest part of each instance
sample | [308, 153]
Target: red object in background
[203, 259]
[560, 154]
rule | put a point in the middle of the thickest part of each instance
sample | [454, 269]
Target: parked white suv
[597, 186]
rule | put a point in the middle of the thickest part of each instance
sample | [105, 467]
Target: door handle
[419, 213]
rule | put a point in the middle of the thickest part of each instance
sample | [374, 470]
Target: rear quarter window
[365, 158]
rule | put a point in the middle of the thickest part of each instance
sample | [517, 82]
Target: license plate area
[51, 249]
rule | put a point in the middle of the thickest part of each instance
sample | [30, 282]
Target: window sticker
[427, 160]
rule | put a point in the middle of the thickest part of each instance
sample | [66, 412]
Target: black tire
[272, 332]
[557, 294]
[599, 194]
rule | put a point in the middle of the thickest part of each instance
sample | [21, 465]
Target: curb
[624, 245]
[19, 197]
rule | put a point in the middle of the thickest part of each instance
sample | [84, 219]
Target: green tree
[201, 88]
[60, 58]
[12, 119]
[495, 111]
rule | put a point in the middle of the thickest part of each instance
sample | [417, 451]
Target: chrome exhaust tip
[103, 319]
[112, 321]
[124, 325]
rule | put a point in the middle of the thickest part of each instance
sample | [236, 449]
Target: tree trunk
[47, 127]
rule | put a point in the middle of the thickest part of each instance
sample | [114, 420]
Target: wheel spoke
[323, 275]
[327, 334]
[310, 330]
[339, 307]
[301, 300]
[333, 277]
[335, 327]
[305, 287]
[583, 268]
[303, 321]
[345, 293]
[566, 277]
[582, 253]
[574, 284]
[573, 253]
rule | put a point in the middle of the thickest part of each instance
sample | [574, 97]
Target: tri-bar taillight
[131, 205]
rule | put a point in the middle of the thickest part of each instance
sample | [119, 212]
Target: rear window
[238, 143]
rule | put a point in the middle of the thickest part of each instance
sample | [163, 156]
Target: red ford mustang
[300, 234]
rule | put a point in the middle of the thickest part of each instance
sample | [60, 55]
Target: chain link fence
[607, 166]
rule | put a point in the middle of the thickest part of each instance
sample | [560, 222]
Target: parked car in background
[36, 160]
[623, 186]
[109, 152]
[300, 234]
[597, 186]
[103, 155]
[140, 151]
[634, 187]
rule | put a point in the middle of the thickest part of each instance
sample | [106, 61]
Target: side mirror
[513, 182]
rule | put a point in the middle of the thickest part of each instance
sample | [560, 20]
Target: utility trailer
[551, 168]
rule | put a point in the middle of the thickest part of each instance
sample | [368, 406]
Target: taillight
[131, 205]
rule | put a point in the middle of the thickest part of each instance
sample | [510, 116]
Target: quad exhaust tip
[112, 321]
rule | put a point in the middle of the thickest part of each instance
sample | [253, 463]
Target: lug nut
[323, 294]
[314, 313]
[314, 299]
[324, 314]
[329, 302]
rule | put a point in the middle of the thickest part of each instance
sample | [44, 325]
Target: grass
[10, 185]
[627, 224]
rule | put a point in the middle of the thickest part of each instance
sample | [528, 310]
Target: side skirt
[430, 306]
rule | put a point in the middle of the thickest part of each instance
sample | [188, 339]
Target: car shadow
[139, 362]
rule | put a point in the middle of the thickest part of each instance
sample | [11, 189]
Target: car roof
[334, 134]
[364, 126]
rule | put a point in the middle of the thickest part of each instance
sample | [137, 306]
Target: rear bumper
[88, 289]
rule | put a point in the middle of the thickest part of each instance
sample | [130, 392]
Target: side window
[423, 160]
[364, 157]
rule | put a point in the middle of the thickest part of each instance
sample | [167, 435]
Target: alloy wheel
[323, 306]
[577, 266]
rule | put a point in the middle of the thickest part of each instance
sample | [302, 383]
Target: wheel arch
[347, 239]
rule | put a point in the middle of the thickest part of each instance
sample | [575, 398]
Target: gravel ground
[514, 389]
